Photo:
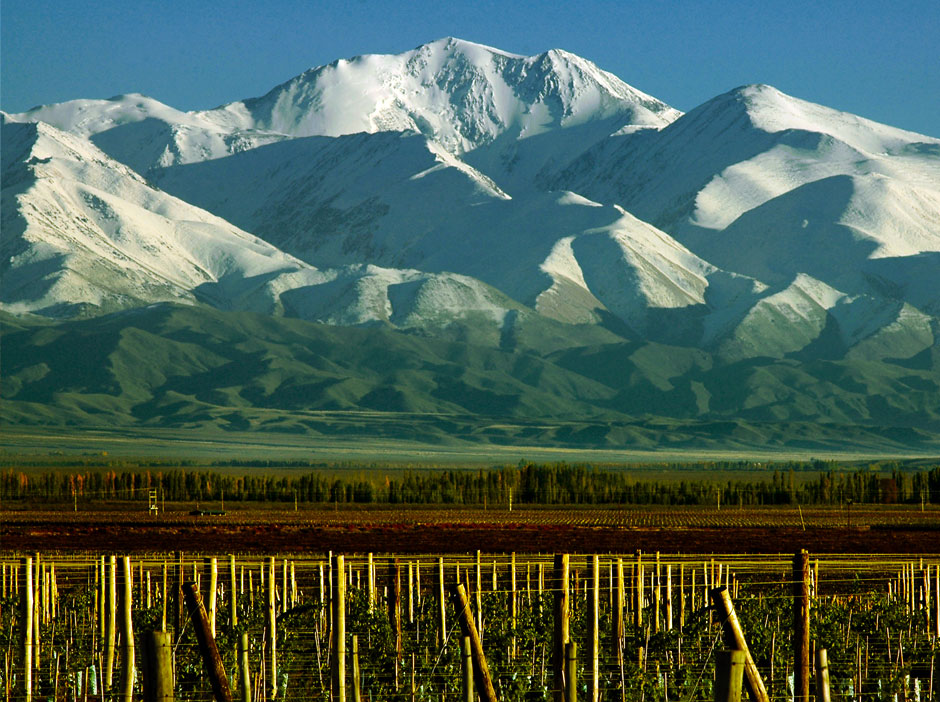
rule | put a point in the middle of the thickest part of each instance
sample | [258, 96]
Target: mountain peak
[455, 92]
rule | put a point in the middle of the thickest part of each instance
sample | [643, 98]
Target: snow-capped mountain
[458, 94]
[460, 184]
[83, 233]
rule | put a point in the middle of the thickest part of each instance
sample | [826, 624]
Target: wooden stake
[571, 672]
[157, 667]
[338, 662]
[442, 611]
[467, 668]
[270, 634]
[734, 640]
[560, 636]
[215, 671]
[357, 691]
[127, 632]
[801, 659]
[595, 615]
[212, 592]
[112, 623]
[233, 595]
[27, 618]
[822, 676]
[481, 672]
[730, 675]
[244, 673]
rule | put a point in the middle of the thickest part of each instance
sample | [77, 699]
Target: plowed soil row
[442, 531]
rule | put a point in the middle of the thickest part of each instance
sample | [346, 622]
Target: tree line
[524, 484]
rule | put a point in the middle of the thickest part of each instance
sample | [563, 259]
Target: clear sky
[877, 59]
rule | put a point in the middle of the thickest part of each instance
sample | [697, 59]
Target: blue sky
[877, 59]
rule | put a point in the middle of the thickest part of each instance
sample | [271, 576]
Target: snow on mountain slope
[812, 319]
[738, 151]
[83, 233]
[143, 133]
[456, 93]
[395, 201]
[766, 185]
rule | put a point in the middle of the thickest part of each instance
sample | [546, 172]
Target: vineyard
[639, 626]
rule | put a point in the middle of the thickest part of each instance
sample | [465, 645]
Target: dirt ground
[130, 529]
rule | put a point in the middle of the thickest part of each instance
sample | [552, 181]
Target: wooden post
[571, 672]
[371, 582]
[394, 607]
[270, 634]
[112, 623]
[595, 615]
[338, 663]
[513, 602]
[560, 636]
[127, 631]
[822, 676]
[801, 659]
[618, 613]
[357, 691]
[157, 667]
[244, 673]
[233, 595]
[481, 672]
[478, 594]
[215, 671]
[467, 668]
[411, 594]
[442, 611]
[734, 640]
[638, 612]
[212, 591]
[27, 618]
[730, 675]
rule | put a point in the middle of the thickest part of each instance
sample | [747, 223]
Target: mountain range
[561, 244]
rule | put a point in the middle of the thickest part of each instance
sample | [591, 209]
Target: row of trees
[525, 483]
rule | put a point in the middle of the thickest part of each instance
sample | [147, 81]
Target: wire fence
[876, 615]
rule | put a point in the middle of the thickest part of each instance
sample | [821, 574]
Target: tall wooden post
[467, 668]
[801, 660]
[157, 667]
[618, 613]
[442, 610]
[212, 591]
[513, 600]
[730, 675]
[478, 594]
[233, 593]
[734, 640]
[211, 659]
[481, 671]
[822, 676]
[112, 623]
[560, 637]
[357, 689]
[638, 612]
[394, 607]
[595, 615]
[244, 673]
[571, 672]
[270, 634]
[127, 631]
[27, 619]
[338, 663]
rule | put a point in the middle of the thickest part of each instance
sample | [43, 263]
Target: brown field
[128, 528]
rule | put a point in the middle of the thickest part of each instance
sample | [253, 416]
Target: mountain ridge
[523, 205]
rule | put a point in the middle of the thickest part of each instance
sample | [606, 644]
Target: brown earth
[130, 529]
